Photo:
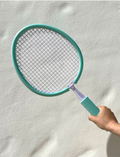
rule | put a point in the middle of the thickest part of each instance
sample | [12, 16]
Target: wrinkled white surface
[36, 126]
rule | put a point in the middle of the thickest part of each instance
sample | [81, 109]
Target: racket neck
[77, 92]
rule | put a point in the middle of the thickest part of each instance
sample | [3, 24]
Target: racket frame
[14, 61]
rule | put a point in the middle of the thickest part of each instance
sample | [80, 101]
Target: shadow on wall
[113, 146]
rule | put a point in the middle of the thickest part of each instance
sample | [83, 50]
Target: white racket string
[46, 59]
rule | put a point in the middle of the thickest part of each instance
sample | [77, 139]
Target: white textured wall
[36, 126]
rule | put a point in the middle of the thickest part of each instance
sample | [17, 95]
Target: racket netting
[47, 60]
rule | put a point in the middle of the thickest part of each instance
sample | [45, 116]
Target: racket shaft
[77, 92]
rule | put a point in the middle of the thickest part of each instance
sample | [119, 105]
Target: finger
[91, 118]
[102, 107]
[99, 107]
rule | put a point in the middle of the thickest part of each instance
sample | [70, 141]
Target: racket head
[19, 73]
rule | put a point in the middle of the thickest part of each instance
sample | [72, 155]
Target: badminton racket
[49, 62]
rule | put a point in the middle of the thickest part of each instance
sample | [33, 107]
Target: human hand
[105, 119]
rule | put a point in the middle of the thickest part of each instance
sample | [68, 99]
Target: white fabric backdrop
[36, 126]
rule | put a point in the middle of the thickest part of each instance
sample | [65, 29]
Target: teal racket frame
[13, 54]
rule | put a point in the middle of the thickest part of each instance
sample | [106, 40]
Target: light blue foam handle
[90, 106]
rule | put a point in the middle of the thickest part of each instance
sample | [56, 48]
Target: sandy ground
[37, 126]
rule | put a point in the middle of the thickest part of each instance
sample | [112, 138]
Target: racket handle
[90, 106]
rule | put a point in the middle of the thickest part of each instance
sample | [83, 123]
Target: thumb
[91, 118]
